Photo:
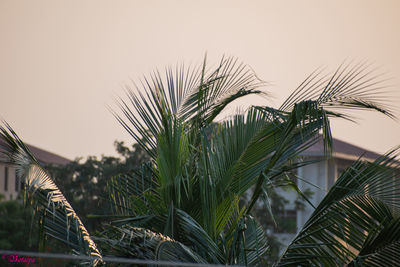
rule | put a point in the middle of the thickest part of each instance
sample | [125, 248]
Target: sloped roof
[41, 155]
[341, 149]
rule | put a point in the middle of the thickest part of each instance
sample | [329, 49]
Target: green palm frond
[283, 140]
[228, 82]
[250, 243]
[61, 221]
[382, 246]
[190, 230]
[184, 230]
[173, 155]
[177, 252]
[195, 95]
[124, 240]
[307, 111]
[351, 86]
[134, 193]
[363, 200]
[140, 243]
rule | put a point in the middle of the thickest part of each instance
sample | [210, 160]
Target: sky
[63, 62]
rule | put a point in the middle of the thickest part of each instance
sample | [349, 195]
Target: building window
[20, 183]
[17, 182]
[5, 179]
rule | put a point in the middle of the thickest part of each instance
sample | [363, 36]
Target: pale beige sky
[61, 62]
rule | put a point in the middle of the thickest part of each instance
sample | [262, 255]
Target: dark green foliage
[84, 182]
[17, 229]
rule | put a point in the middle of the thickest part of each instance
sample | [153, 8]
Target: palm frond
[190, 94]
[185, 231]
[251, 242]
[381, 247]
[351, 86]
[365, 198]
[129, 241]
[134, 193]
[61, 221]
[135, 242]
[283, 140]
[175, 251]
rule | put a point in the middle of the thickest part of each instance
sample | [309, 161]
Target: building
[9, 183]
[318, 178]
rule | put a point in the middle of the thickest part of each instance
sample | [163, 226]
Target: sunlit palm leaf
[128, 241]
[185, 230]
[61, 221]
[135, 242]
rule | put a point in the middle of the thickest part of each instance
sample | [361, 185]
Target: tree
[184, 204]
[84, 183]
[16, 226]
[20, 231]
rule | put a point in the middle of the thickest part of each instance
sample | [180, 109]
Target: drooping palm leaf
[123, 241]
[141, 243]
[186, 231]
[363, 200]
[351, 86]
[61, 221]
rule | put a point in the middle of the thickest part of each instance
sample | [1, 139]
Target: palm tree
[185, 203]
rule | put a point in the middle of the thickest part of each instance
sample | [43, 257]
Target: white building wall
[12, 190]
[314, 178]
[318, 178]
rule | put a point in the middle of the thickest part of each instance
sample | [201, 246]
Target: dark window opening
[5, 178]
[20, 183]
[17, 182]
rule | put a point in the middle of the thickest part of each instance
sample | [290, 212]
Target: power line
[106, 259]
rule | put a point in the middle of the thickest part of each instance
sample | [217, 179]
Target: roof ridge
[43, 156]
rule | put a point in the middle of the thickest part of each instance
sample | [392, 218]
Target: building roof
[41, 155]
[342, 150]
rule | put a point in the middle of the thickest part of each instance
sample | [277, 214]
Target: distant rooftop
[41, 155]
[341, 149]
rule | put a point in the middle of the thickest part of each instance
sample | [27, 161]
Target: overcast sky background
[62, 62]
